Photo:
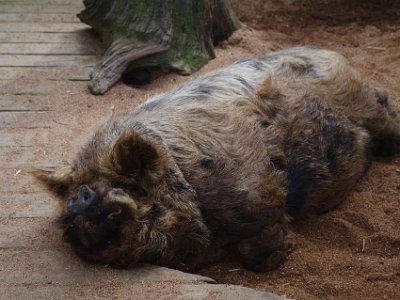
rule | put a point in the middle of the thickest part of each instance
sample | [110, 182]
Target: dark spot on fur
[225, 209]
[243, 216]
[206, 163]
[256, 112]
[336, 141]
[149, 106]
[300, 179]
[278, 162]
[331, 157]
[180, 187]
[256, 64]
[203, 90]
[243, 82]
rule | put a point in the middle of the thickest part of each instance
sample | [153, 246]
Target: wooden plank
[26, 158]
[79, 73]
[63, 267]
[24, 119]
[27, 206]
[7, 60]
[19, 156]
[80, 37]
[22, 138]
[41, 87]
[20, 180]
[96, 290]
[23, 87]
[27, 233]
[103, 289]
[66, 49]
[25, 103]
[49, 2]
[40, 8]
[44, 27]
[28, 17]
[26, 138]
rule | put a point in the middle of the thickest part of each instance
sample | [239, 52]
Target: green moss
[184, 29]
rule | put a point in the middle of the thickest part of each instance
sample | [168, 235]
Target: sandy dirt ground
[352, 252]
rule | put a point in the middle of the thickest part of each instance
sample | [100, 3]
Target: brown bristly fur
[216, 166]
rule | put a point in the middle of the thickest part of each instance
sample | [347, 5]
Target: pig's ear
[138, 155]
[266, 87]
[57, 181]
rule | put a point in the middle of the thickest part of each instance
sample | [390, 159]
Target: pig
[219, 164]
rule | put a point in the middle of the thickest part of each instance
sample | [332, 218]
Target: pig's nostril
[84, 198]
[86, 194]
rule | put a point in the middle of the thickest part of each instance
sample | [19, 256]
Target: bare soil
[352, 252]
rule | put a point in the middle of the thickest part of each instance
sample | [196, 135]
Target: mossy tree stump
[170, 34]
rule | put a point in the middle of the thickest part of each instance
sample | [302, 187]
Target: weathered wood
[36, 232]
[40, 87]
[52, 2]
[21, 103]
[80, 37]
[27, 206]
[23, 119]
[40, 8]
[66, 49]
[27, 138]
[32, 17]
[46, 61]
[15, 87]
[18, 180]
[19, 156]
[77, 73]
[139, 291]
[71, 270]
[42, 27]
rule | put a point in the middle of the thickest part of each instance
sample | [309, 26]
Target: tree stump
[170, 34]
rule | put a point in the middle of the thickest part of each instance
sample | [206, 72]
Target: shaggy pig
[218, 163]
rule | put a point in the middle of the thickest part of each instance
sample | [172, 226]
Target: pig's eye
[119, 185]
[383, 100]
[131, 189]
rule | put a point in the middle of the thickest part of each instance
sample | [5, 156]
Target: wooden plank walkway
[42, 48]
